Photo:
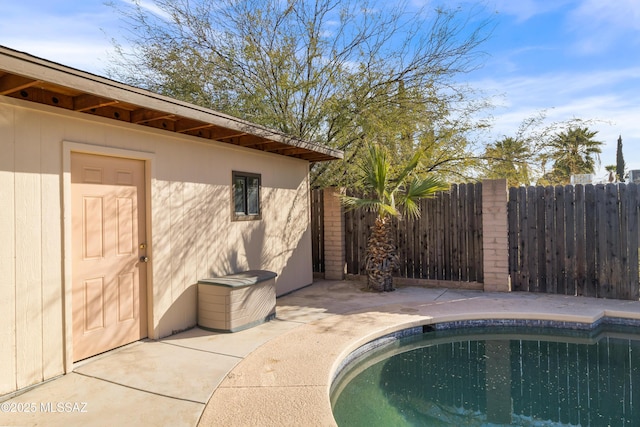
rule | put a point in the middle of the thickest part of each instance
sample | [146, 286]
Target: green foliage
[387, 193]
[573, 152]
[511, 159]
[337, 72]
[620, 161]
[543, 153]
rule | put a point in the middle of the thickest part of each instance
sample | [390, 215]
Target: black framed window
[246, 195]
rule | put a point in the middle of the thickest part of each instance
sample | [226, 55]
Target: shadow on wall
[281, 242]
[201, 242]
[194, 236]
[181, 312]
[294, 257]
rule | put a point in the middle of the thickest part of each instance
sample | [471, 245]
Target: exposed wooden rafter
[143, 115]
[86, 102]
[185, 125]
[12, 83]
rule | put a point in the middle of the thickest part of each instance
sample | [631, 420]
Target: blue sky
[570, 58]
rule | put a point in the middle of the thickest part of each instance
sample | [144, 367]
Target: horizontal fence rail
[444, 243]
[575, 240]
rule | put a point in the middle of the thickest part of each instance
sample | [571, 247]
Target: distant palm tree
[390, 196]
[573, 152]
[511, 159]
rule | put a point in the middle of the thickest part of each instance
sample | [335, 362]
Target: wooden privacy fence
[580, 240]
[444, 243]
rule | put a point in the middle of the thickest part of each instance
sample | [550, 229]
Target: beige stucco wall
[192, 235]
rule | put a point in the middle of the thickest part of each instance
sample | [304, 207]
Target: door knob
[144, 259]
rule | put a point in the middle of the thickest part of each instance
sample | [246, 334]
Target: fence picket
[523, 277]
[570, 241]
[439, 242]
[417, 253]
[532, 240]
[399, 228]
[591, 236]
[475, 234]
[614, 269]
[512, 218]
[454, 224]
[549, 243]
[632, 240]
[431, 238]
[624, 288]
[446, 235]
[580, 250]
[462, 234]
[317, 230]
[559, 240]
[602, 254]
[540, 230]
[349, 242]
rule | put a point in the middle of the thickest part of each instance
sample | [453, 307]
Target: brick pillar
[334, 251]
[495, 229]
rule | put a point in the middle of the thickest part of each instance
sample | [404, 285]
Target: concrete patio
[275, 374]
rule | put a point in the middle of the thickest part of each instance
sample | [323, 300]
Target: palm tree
[573, 152]
[510, 158]
[390, 196]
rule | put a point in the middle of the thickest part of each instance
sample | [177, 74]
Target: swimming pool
[495, 373]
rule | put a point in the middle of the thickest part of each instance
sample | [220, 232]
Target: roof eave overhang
[33, 79]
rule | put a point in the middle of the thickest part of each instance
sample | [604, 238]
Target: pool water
[495, 376]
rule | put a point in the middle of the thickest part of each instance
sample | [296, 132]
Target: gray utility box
[237, 301]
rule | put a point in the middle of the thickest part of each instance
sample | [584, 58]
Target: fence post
[334, 249]
[495, 229]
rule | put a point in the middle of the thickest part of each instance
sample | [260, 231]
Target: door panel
[109, 281]
[93, 310]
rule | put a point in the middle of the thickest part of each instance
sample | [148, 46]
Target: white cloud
[56, 32]
[619, 14]
[547, 89]
[150, 6]
[86, 55]
[525, 9]
[600, 23]
[564, 96]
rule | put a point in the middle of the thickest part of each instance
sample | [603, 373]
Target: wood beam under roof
[10, 83]
[186, 125]
[86, 102]
[288, 151]
[143, 115]
[112, 112]
[164, 124]
[220, 134]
